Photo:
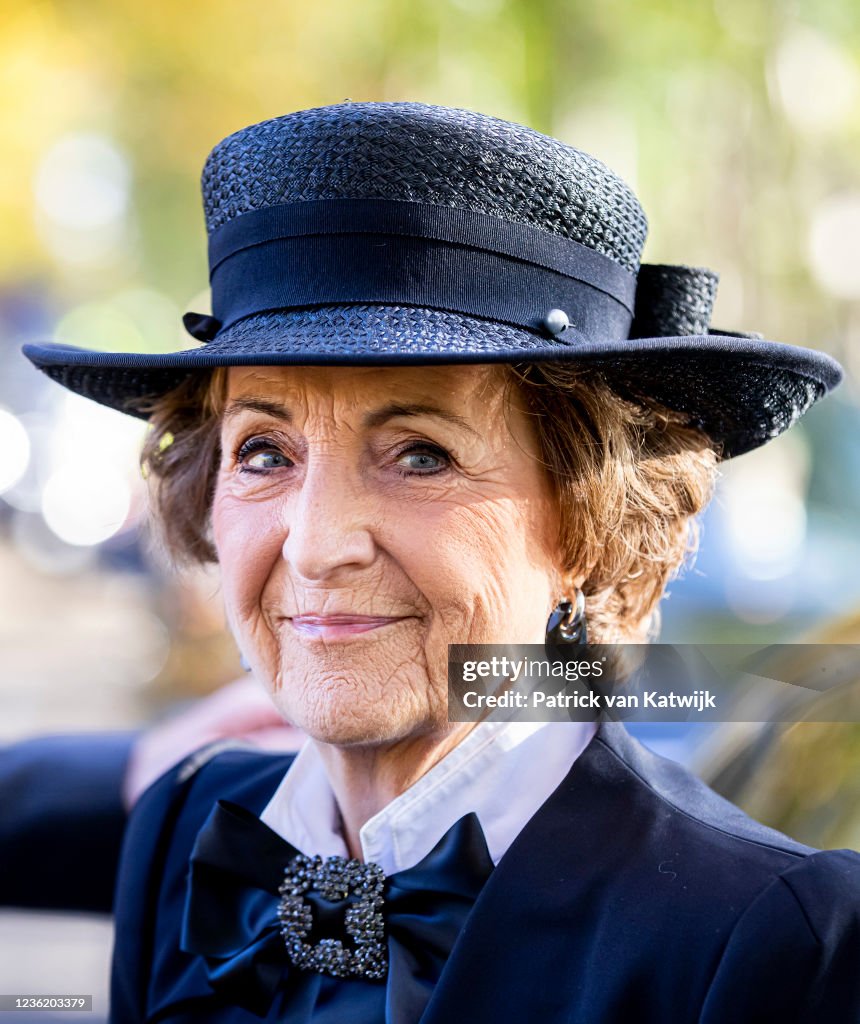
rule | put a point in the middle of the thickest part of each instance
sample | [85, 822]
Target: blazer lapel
[520, 955]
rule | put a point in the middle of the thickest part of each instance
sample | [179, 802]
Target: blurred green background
[737, 122]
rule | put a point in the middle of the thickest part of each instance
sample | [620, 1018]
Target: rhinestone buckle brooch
[335, 879]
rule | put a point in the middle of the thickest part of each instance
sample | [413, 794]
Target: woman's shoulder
[690, 831]
[160, 835]
[165, 821]
[751, 918]
[793, 953]
[686, 804]
[178, 803]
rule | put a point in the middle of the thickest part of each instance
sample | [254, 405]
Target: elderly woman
[440, 402]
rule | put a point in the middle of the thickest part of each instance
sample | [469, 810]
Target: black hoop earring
[567, 625]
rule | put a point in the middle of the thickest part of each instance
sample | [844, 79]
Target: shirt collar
[503, 771]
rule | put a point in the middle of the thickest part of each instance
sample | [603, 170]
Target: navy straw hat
[392, 233]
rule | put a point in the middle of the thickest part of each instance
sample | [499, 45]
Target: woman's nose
[328, 524]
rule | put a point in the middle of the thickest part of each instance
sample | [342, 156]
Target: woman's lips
[332, 627]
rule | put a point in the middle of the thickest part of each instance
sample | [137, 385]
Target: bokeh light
[816, 80]
[14, 450]
[762, 499]
[834, 244]
[82, 188]
[91, 480]
[83, 182]
[85, 504]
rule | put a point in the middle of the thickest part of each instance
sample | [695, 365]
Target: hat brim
[741, 391]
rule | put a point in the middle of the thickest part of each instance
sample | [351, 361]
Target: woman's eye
[259, 455]
[266, 460]
[423, 460]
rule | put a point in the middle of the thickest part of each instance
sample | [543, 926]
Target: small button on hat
[392, 233]
[556, 321]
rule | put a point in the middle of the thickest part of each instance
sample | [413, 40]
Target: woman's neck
[366, 779]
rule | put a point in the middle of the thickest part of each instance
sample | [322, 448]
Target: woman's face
[364, 519]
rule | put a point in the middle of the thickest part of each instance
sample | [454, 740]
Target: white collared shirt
[503, 771]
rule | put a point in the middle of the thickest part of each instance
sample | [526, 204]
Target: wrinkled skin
[445, 526]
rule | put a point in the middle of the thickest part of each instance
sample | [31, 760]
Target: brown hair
[630, 478]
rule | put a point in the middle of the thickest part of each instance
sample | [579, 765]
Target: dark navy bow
[231, 917]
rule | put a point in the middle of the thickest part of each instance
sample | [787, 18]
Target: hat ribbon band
[263, 269]
[470, 228]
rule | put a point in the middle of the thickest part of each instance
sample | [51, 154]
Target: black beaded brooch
[335, 879]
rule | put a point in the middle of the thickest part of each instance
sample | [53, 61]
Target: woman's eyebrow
[250, 404]
[387, 412]
[373, 419]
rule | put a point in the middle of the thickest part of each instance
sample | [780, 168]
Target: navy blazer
[635, 895]
[61, 804]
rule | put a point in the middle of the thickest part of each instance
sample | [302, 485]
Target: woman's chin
[357, 731]
[369, 722]
[355, 705]
[352, 738]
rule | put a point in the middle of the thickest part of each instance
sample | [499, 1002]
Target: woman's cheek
[488, 566]
[459, 573]
[248, 544]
